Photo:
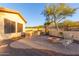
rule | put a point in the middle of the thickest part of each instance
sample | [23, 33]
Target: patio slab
[72, 49]
[42, 43]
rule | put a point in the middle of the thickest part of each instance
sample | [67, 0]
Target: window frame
[8, 26]
[19, 26]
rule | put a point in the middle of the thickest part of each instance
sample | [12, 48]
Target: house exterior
[11, 23]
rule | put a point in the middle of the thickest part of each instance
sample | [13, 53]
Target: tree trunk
[46, 29]
[56, 25]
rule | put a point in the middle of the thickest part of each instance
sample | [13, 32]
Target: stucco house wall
[12, 17]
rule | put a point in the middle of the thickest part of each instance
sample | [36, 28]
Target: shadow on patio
[10, 51]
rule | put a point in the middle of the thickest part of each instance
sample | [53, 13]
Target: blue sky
[32, 12]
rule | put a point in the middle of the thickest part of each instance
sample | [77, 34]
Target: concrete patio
[42, 43]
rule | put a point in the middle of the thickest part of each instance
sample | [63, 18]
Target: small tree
[67, 24]
[57, 12]
[70, 24]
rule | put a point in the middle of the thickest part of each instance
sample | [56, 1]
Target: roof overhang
[14, 12]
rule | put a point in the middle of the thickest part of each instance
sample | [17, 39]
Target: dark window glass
[19, 27]
[9, 26]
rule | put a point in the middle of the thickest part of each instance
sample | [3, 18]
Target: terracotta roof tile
[7, 9]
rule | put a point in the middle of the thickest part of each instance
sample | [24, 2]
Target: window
[19, 27]
[9, 26]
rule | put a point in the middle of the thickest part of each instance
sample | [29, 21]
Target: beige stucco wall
[1, 25]
[12, 17]
[1, 28]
